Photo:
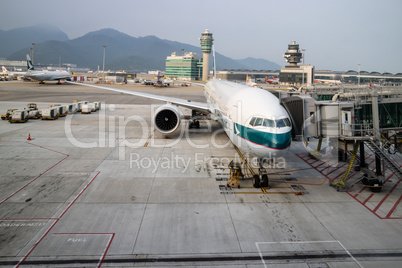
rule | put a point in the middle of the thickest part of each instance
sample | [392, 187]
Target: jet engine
[167, 119]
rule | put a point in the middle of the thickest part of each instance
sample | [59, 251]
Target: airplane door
[230, 124]
[346, 124]
[233, 117]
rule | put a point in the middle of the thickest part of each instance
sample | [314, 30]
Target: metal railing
[366, 130]
[377, 143]
[356, 130]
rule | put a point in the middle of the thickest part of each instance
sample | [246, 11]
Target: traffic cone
[29, 137]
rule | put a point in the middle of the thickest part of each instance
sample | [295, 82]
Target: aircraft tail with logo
[29, 63]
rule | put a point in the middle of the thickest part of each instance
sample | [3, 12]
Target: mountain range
[123, 52]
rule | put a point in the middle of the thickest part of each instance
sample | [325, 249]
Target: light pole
[59, 60]
[303, 50]
[104, 52]
[358, 75]
[182, 58]
[199, 69]
[33, 48]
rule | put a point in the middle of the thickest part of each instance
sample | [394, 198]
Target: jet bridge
[301, 109]
[314, 119]
[367, 119]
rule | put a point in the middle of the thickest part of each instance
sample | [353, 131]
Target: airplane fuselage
[252, 118]
[336, 82]
[48, 75]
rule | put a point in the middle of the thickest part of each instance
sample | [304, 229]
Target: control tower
[293, 74]
[206, 47]
[293, 55]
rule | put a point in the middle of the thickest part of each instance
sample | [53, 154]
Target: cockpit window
[258, 122]
[269, 123]
[283, 123]
[252, 121]
[280, 123]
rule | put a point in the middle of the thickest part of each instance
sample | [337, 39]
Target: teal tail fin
[29, 63]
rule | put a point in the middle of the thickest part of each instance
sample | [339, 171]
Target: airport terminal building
[185, 67]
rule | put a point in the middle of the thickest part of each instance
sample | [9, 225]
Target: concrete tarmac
[105, 189]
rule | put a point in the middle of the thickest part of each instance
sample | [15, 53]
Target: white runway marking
[302, 242]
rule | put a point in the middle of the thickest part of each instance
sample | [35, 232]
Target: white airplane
[43, 76]
[12, 74]
[332, 82]
[249, 83]
[4, 74]
[252, 118]
[272, 81]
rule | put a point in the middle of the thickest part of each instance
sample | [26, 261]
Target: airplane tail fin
[29, 63]
[4, 69]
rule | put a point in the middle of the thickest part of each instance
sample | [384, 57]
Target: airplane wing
[60, 77]
[199, 106]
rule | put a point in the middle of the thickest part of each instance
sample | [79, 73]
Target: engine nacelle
[167, 118]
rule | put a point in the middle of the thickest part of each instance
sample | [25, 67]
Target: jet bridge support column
[377, 133]
[378, 171]
[362, 155]
[376, 120]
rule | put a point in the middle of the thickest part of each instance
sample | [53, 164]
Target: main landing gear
[195, 116]
[194, 124]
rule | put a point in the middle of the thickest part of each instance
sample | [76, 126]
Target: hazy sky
[337, 35]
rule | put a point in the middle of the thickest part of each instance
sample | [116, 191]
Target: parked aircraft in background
[13, 73]
[332, 82]
[249, 83]
[43, 75]
[374, 85]
[3, 75]
[273, 80]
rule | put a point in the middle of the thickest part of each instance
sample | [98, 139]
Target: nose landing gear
[261, 180]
